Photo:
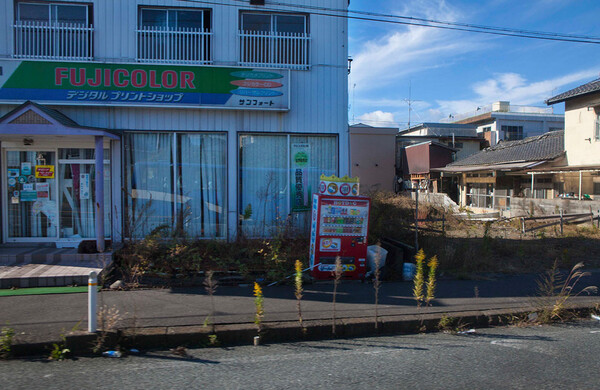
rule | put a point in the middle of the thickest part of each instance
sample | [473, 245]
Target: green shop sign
[103, 84]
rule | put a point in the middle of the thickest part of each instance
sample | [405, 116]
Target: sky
[444, 72]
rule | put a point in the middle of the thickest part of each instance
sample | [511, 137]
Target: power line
[421, 22]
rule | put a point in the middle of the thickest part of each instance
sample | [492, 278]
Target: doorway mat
[43, 291]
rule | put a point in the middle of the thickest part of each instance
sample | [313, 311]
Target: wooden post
[591, 216]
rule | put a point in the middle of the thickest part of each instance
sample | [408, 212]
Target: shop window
[176, 181]
[278, 175]
[596, 188]
[280, 40]
[53, 31]
[174, 35]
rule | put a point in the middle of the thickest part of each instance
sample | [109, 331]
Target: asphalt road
[542, 357]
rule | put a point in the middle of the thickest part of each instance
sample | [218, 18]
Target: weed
[59, 351]
[213, 340]
[554, 291]
[259, 302]
[107, 321]
[450, 325]
[377, 285]
[210, 285]
[432, 264]
[336, 281]
[298, 291]
[7, 335]
[419, 278]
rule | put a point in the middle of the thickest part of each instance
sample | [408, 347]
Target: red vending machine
[339, 227]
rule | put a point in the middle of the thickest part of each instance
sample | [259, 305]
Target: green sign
[89, 83]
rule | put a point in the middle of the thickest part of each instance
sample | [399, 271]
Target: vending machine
[339, 228]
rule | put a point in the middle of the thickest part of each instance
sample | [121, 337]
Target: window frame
[177, 217]
[272, 21]
[289, 141]
[51, 6]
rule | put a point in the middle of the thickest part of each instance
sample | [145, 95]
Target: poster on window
[301, 191]
[84, 186]
[44, 171]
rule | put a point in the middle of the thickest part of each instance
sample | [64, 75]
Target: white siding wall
[318, 96]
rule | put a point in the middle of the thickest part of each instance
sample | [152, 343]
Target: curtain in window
[263, 182]
[267, 175]
[149, 170]
[202, 184]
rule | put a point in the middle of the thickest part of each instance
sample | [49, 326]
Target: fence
[561, 220]
[264, 49]
[41, 40]
[182, 45]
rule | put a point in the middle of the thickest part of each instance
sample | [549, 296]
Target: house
[372, 156]
[502, 121]
[463, 138]
[491, 178]
[211, 118]
[581, 175]
[419, 163]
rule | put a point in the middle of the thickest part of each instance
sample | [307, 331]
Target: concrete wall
[524, 206]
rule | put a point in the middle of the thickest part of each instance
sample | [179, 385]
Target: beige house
[581, 176]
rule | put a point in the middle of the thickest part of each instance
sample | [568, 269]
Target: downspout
[532, 181]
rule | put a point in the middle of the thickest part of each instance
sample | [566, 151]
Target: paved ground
[549, 357]
[44, 317]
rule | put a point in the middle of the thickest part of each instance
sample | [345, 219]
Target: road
[560, 356]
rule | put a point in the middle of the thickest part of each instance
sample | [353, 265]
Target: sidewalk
[180, 313]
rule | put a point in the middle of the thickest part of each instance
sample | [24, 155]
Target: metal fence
[182, 45]
[271, 49]
[42, 40]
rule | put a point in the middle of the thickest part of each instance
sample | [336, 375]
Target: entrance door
[77, 179]
[32, 211]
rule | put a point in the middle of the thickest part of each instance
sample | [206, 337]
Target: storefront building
[207, 119]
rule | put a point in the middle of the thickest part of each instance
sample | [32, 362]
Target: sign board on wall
[301, 191]
[89, 83]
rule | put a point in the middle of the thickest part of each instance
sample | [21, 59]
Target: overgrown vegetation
[464, 248]
[554, 290]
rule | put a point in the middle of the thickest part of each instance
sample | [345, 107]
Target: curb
[81, 343]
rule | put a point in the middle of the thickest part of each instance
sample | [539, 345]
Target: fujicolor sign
[144, 85]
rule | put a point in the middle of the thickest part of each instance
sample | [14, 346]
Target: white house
[207, 117]
[502, 121]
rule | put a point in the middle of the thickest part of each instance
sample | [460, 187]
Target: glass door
[77, 178]
[31, 200]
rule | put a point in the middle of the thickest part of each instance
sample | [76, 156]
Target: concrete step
[48, 267]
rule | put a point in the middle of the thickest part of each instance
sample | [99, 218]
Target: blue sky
[453, 72]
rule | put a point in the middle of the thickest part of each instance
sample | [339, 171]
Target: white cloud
[511, 87]
[405, 50]
[378, 119]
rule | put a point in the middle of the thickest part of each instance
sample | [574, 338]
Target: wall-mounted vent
[257, 2]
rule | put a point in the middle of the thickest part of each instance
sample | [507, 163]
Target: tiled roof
[592, 86]
[539, 148]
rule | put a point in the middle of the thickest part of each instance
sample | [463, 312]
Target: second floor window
[512, 133]
[279, 40]
[174, 36]
[53, 31]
